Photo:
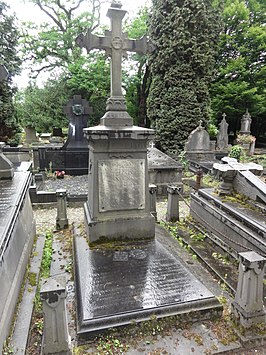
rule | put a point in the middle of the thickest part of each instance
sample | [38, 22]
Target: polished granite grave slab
[132, 283]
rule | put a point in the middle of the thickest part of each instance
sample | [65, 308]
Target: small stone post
[248, 304]
[172, 214]
[153, 190]
[199, 176]
[55, 331]
[61, 219]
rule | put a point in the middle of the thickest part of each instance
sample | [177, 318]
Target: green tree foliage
[42, 108]
[241, 71]
[137, 85]
[184, 33]
[90, 77]
[51, 46]
[8, 57]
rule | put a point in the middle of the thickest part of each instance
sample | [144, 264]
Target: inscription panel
[121, 184]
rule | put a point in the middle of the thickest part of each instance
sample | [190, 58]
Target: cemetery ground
[170, 335]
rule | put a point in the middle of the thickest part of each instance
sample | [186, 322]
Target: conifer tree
[184, 33]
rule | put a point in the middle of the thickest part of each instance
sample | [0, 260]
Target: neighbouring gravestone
[30, 135]
[248, 305]
[77, 111]
[198, 145]
[245, 123]
[118, 198]
[163, 170]
[57, 132]
[241, 178]
[199, 149]
[222, 137]
[73, 156]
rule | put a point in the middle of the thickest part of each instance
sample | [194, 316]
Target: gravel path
[75, 185]
[46, 218]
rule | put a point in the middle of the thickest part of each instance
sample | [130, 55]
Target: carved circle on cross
[117, 42]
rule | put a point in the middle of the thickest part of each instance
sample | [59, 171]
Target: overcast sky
[26, 11]
[29, 12]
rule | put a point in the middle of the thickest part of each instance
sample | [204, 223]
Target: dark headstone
[77, 111]
[57, 132]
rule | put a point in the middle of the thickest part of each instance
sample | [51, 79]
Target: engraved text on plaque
[121, 184]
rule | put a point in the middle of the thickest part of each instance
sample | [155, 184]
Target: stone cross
[116, 44]
[229, 169]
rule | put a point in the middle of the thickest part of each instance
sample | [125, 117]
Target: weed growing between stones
[222, 327]
[173, 230]
[37, 318]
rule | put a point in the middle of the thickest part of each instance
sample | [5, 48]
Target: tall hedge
[185, 34]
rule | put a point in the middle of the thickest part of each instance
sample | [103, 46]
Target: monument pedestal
[118, 205]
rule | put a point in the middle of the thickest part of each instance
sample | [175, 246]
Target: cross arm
[140, 46]
[91, 41]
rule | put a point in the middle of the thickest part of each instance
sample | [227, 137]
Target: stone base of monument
[119, 228]
[118, 204]
[134, 281]
[72, 161]
[17, 231]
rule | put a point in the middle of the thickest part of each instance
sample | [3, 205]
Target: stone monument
[77, 111]
[142, 279]
[245, 123]
[118, 203]
[163, 170]
[222, 137]
[72, 157]
[199, 149]
[30, 135]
